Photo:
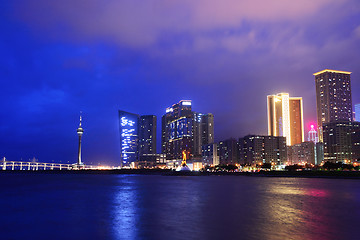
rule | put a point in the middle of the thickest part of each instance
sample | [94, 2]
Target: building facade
[147, 134]
[210, 155]
[302, 153]
[356, 144]
[228, 151]
[129, 138]
[340, 141]
[285, 117]
[183, 129]
[137, 137]
[333, 98]
[319, 153]
[151, 160]
[254, 149]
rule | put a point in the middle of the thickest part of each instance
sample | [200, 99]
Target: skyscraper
[285, 117]
[183, 129]
[333, 97]
[137, 137]
[147, 135]
[129, 138]
[207, 128]
[357, 112]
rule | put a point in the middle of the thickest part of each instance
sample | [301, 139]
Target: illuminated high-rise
[137, 137]
[333, 98]
[183, 129]
[129, 138]
[285, 117]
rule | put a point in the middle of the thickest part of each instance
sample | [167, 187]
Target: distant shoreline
[166, 172]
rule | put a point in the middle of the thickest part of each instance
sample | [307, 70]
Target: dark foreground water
[81, 206]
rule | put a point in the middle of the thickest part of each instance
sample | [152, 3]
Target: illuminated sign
[186, 103]
[169, 110]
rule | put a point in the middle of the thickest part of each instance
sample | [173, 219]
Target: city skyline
[54, 65]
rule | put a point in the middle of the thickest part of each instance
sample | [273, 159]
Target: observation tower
[80, 132]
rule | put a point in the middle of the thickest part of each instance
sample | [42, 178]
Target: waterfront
[85, 206]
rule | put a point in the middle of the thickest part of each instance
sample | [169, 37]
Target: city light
[329, 70]
[186, 103]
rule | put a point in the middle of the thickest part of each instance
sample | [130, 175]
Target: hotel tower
[333, 98]
[285, 117]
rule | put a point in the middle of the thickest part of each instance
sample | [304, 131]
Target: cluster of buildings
[336, 137]
[181, 129]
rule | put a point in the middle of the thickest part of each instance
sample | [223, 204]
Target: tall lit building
[129, 138]
[285, 117]
[313, 135]
[357, 112]
[137, 137]
[183, 129]
[147, 135]
[333, 98]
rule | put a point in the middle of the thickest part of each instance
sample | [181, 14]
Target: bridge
[36, 166]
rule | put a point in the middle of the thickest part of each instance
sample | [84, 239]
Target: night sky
[98, 56]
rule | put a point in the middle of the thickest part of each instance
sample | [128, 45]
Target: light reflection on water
[164, 207]
[124, 208]
[155, 207]
[290, 210]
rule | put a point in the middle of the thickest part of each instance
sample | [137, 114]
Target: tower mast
[80, 132]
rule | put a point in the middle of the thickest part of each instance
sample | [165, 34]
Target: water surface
[84, 206]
